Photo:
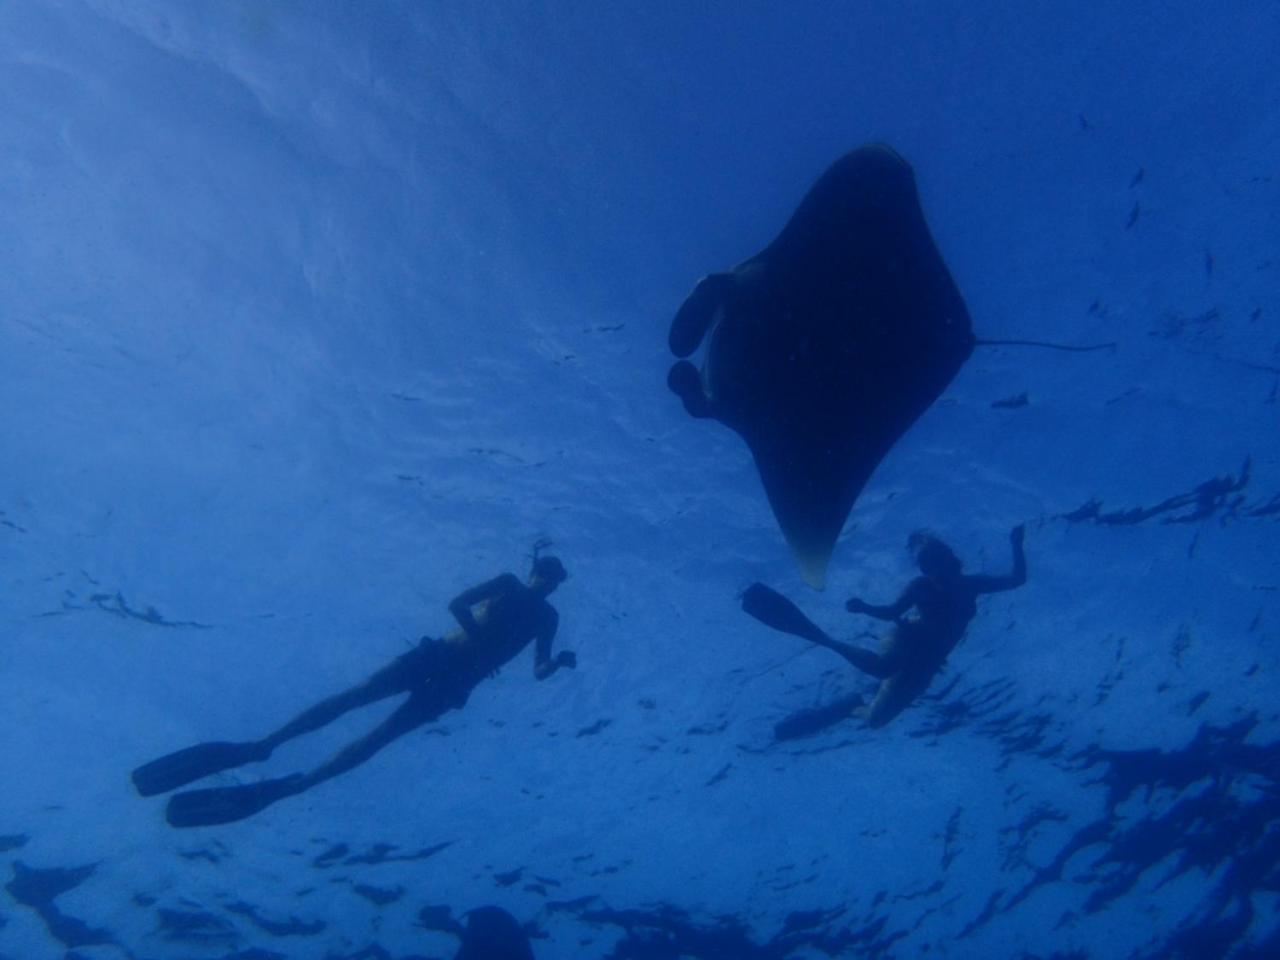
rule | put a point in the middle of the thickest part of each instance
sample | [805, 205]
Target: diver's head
[932, 556]
[547, 572]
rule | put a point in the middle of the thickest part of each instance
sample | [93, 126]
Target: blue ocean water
[314, 315]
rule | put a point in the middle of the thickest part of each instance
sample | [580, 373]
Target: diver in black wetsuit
[915, 650]
[498, 619]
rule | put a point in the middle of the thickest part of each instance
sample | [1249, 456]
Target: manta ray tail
[1109, 345]
[812, 561]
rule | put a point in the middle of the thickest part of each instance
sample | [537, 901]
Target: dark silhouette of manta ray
[825, 347]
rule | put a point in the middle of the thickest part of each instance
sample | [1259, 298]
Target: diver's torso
[944, 610]
[507, 623]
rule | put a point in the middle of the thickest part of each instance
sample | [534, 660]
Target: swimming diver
[498, 619]
[917, 647]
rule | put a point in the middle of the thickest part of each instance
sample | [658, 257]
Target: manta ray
[826, 346]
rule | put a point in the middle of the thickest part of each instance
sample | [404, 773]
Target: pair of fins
[216, 805]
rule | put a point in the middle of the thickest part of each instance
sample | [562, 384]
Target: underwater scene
[661, 481]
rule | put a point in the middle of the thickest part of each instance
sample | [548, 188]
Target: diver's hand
[854, 605]
[566, 658]
[1018, 534]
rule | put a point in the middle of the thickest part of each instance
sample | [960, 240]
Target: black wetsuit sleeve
[890, 611]
[543, 665]
[460, 606]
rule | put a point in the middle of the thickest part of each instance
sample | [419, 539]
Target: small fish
[1133, 215]
[1012, 403]
[1137, 177]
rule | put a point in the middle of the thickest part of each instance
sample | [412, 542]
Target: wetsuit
[498, 619]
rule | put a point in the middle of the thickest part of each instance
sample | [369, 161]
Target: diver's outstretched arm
[565, 659]
[985, 584]
[544, 665]
[890, 611]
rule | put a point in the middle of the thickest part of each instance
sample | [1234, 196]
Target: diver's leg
[774, 610]
[227, 804]
[896, 694]
[394, 678]
[864, 660]
[423, 706]
[892, 659]
[185, 766]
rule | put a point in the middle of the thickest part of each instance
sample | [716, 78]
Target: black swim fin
[204, 808]
[807, 722]
[183, 766]
[774, 610]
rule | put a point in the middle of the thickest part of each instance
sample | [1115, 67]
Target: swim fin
[774, 610]
[183, 766]
[807, 722]
[204, 808]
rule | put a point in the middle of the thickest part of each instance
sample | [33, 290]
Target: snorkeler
[917, 647]
[498, 619]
